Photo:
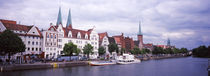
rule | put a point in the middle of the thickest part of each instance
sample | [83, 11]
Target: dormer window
[79, 35]
[69, 34]
[86, 36]
[48, 36]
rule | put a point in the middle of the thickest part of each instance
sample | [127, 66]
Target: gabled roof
[11, 25]
[101, 36]
[75, 32]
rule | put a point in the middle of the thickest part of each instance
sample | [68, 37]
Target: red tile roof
[101, 36]
[11, 25]
[75, 32]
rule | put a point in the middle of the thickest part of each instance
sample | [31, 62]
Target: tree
[113, 47]
[69, 49]
[77, 51]
[101, 50]
[136, 50]
[201, 51]
[10, 43]
[147, 51]
[157, 50]
[88, 49]
[122, 51]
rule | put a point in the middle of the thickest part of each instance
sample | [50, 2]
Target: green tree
[77, 51]
[69, 49]
[122, 51]
[10, 43]
[88, 49]
[157, 50]
[184, 50]
[201, 51]
[113, 47]
[136, 50]
[101, 50]
[147, 51]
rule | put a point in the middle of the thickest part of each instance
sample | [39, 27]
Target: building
[129, 44]
[30, 35]
[58, 35]
[104, 41]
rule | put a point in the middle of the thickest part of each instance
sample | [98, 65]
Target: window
[51, 36]
[47, 48]
[54, 48]
[28, 49]
[59, 46]
[32, 49]
[29, 37]
[33, 32]
[32, 43]
[36, 43]
[29, 42]
[40, 49]
[40, 43]
[50, 48]
[59, 40]
[33, 37]
[69, 41]
[48, 36]
[55, 36]
[36, 49]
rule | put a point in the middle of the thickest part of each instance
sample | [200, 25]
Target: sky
[185, 22]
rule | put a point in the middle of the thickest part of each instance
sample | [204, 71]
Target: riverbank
[162, 57]
[16, 67]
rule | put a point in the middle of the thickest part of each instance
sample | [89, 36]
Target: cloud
[185, 22]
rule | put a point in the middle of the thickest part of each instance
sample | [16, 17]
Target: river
[186, 66]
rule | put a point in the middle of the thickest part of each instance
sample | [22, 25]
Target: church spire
[59, 20]
[139, 32]
[69, 23]
[168, 42]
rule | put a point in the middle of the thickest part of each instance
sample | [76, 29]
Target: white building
[68, 34]
[30, 35]
[52, 40]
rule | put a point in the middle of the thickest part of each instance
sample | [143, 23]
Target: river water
[186, 66]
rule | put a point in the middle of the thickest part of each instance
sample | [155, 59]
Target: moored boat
[101, 63]
[127, 59]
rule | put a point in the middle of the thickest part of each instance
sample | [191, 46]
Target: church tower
[69, 22]
[140, 37]
[59, 20]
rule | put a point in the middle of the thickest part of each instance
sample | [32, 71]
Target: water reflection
[187, 66]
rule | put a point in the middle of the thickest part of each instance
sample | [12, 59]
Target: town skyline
[185, 31]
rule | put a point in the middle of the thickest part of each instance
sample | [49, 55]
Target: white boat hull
[98, 63]
[135, 61]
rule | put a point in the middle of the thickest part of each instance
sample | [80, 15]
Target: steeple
[139, 33]
[59, 20]
[168, 42]
[69, 23]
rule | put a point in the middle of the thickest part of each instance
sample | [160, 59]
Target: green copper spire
[69, 23]
[59, 20]
[139, 33]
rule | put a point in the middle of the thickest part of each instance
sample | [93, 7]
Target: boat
[101, 63]
[127, 59]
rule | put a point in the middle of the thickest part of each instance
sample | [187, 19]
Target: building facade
[30, 35]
